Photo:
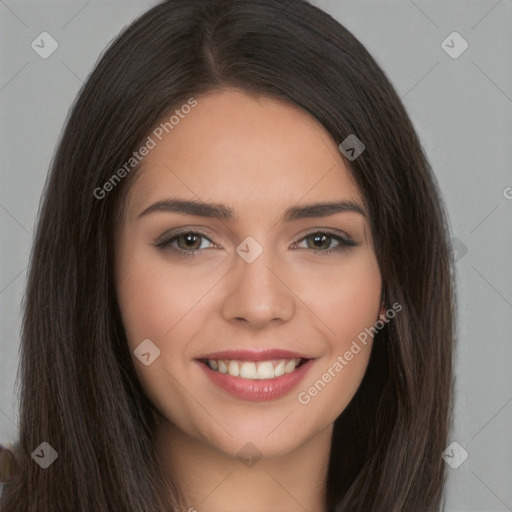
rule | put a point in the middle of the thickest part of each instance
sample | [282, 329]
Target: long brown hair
[79, 390]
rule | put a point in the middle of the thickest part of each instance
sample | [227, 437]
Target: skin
[258, 156]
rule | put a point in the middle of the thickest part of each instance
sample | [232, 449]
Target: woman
[240, 293]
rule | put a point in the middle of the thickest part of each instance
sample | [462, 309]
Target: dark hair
[79, 389]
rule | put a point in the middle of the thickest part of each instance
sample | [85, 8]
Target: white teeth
[266, 370]
[279, 369]
[248, 371]
[233, 369]
[251, 370]
[290, 366]
[222, 367]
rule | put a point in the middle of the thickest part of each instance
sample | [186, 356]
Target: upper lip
[254, 355]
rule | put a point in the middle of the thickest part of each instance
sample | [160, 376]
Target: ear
[382, 312]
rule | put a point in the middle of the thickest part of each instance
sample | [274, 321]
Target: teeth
[248, 371]
[234, 369]
[222, 367]
[266, 370]
[251, 370]
[279, 369]
[290, 366]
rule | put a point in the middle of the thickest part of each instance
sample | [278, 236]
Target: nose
[258, 293]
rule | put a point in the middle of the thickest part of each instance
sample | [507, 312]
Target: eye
[185, 243]
[322, 242]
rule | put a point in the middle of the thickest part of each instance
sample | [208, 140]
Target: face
[222, 257]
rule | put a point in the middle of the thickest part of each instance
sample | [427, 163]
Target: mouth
[255, 375]
[251, 370]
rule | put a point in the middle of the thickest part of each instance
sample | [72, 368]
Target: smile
[255, 370]
[255, 375]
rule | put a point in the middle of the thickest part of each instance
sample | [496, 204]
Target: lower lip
[257, 390]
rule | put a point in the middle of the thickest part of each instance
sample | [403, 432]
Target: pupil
[321, 241]
[190, 241]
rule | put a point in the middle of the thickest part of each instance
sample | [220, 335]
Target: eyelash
[165, 243]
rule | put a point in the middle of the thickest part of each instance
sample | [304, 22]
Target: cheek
[346, 299]
[355, 308]
[160, 303]
[155, 296]
[347, 309]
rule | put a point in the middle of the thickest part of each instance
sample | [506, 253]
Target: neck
[211, 480]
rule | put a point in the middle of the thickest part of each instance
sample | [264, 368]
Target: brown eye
[185, 243]
[319, 241]
[189, 241]
[326, 243]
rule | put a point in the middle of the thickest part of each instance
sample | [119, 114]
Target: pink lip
[252, 389]
[254, 355]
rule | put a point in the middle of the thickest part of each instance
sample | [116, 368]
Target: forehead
[246, 151]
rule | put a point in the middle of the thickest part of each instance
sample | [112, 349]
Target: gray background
[461, 108]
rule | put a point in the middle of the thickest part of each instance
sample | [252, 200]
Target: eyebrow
[223, 212]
